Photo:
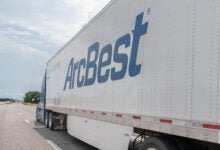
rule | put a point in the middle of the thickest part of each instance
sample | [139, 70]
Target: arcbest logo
[97, 63]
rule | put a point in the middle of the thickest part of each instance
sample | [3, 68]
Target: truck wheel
[51, 121]
[157, 143]
[47, 119]
[181, 143]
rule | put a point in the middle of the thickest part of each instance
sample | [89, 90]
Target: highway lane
[19, 130]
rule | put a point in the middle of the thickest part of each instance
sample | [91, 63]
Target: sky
[31, 32]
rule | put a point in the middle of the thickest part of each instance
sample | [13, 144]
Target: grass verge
[30, 104]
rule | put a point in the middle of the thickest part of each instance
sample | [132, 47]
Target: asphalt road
[20, 131]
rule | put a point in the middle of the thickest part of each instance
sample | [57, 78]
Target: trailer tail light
[165, 121]
[103, 113]
[137, 117]
[118, 115]
[211, 126]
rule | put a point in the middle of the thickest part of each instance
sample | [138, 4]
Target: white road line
[36, 127]
[19, 114]
[27, 121]
[53, 145]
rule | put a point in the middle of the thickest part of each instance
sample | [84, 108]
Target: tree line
[32, 97]
[5, 99]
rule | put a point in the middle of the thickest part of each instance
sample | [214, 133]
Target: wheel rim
[151, 149]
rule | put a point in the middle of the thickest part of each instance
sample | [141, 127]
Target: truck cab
[40, 110]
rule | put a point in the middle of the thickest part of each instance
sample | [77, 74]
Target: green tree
[32, 97]
[5, 99]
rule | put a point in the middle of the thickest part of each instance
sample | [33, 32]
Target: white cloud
[12, 31]
[12, 45]
[30, 32]
[58, 23]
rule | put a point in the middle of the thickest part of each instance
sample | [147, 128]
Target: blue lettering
[91, 64]
[120, 58]
[105, 50]
[73, 73]
[139, 30]
[80, 82]
[69, 75]
[104, 67]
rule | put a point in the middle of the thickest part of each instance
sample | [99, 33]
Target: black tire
[47, 119]
[130, 145]
[157, 143]
[51, 121]
[181, 143]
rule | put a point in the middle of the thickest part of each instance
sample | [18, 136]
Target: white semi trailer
[150, 67]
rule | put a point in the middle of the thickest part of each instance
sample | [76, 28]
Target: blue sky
[31, 32]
